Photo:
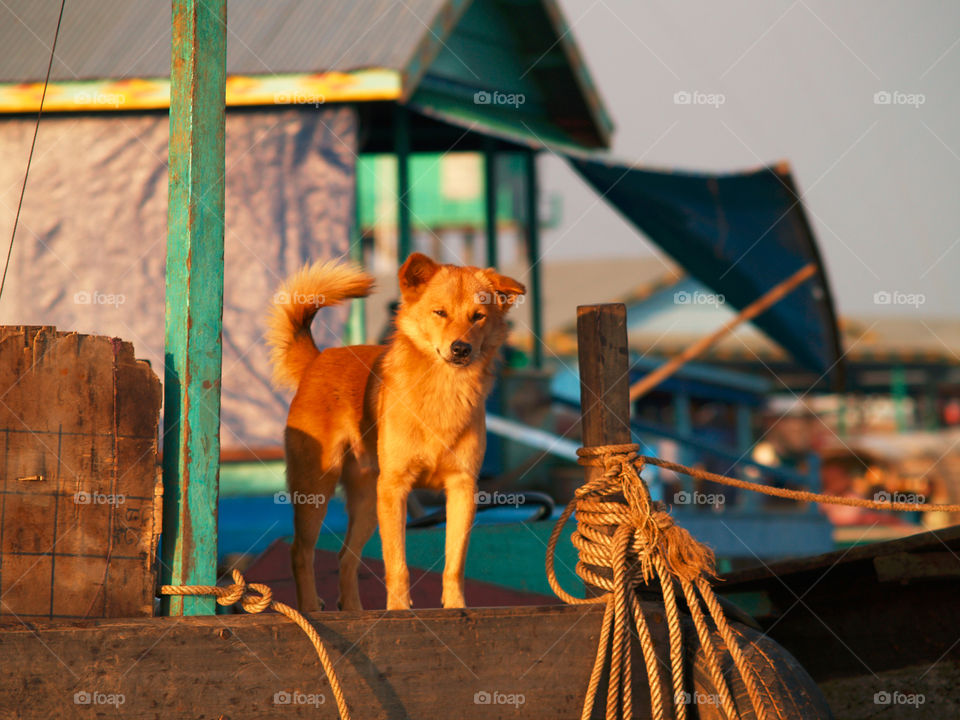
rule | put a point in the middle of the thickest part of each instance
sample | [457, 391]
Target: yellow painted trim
[153, 94]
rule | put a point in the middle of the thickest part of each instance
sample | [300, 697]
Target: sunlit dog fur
[386, 419]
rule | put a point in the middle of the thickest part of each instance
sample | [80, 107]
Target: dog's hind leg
[361, 486]
[311, 488]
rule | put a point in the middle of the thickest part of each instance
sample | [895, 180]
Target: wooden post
[357, 321]
[604, 383]
[194, 301]
[402, 150]
[533, 256]
[490, 197]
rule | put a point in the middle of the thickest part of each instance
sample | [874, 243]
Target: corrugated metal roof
[131, 38]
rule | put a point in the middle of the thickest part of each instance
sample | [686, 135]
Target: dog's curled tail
[296, 301]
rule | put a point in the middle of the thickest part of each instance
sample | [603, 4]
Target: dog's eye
[440, 313]
[477, 316]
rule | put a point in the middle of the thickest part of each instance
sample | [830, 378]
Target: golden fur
[385, 419]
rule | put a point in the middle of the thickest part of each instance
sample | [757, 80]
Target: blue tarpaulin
[739, 234]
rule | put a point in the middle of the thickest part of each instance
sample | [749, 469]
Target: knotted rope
[621, 529]
[255, 598]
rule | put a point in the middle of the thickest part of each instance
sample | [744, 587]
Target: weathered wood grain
[78, 479]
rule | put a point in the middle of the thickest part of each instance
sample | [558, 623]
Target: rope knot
[253, 597]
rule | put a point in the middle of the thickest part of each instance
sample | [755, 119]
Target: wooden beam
[604, 367]
[532, 188]
[490, 198]
[772, 296]
[194, 300]
[425, 664]
[404, 199]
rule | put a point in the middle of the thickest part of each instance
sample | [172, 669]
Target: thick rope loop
[255, 598]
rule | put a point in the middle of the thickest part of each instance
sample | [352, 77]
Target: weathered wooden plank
[478, 663]
[78, 448]
[194, 299]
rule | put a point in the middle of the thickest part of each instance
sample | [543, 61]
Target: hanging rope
[33, 144]
[255, 598]
[621, 530]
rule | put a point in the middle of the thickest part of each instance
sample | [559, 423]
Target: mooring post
[604, 383]
[194, 303]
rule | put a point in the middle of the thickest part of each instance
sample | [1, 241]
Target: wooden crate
[80, 495]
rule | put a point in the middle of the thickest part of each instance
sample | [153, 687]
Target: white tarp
[90, 249]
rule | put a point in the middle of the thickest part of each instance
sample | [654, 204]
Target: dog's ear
[416, 272]
[507, 289]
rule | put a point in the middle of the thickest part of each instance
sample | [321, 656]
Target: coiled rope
[621, 529]
[255, 598]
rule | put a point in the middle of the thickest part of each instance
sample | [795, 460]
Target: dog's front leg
[461, 509]
[392, 515]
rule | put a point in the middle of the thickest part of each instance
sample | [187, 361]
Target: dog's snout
[460, 349]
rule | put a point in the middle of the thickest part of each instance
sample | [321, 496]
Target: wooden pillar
[533, 257]
[490, 197]
[356, 322]
[604, 383]
[402, 150]
[194, 301]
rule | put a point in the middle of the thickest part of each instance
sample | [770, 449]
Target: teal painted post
[683, 424]
[898, 389]
[402, 149]
[490, 196]
[194, 301]
[533, 257]
[357, 322]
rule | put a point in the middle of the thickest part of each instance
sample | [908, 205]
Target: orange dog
[412, 411]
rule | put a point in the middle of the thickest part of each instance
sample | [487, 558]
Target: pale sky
[798, 80]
